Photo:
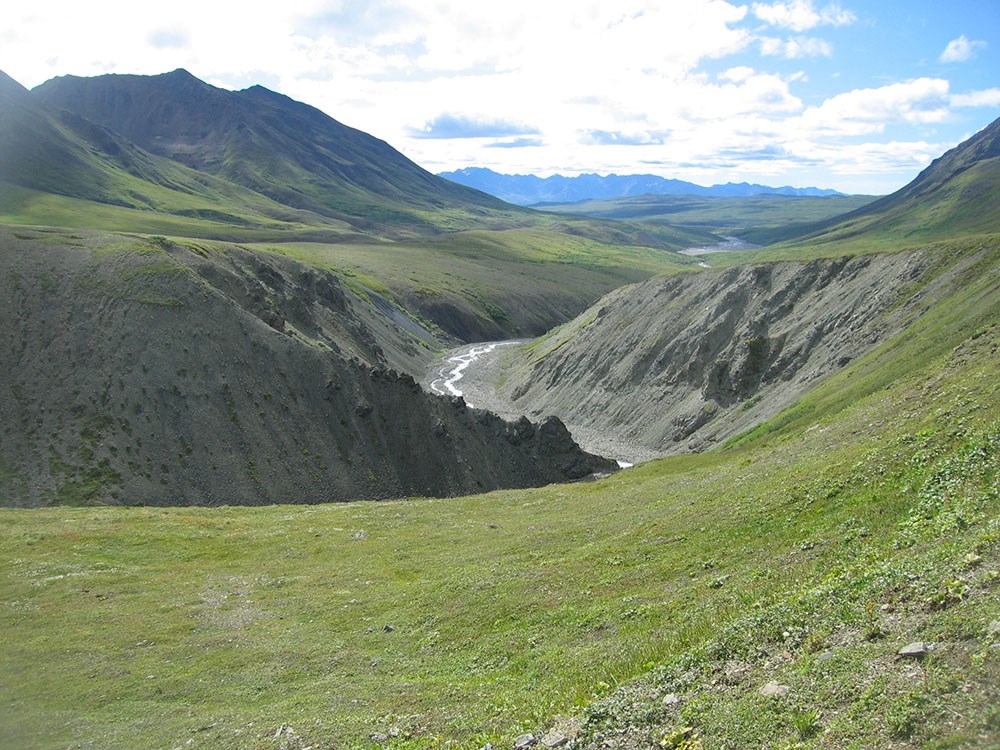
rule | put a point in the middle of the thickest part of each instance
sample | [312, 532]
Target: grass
[515, 282]
[464, 621]
[723, 216]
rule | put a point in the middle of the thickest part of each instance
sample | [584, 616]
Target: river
[473, 371]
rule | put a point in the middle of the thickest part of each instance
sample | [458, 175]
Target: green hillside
[956, 196]
[59, 168]
[173, 156]
[862, 520]
[290, 152]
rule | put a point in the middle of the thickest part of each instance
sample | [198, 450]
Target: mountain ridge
[262, 140]
[957, 193]
[530, 189]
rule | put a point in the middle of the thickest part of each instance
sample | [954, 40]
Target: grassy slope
[720, 215]
[477, 271]
[955, 196]
[861, 522]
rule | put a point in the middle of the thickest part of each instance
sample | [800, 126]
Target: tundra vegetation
[827, 577]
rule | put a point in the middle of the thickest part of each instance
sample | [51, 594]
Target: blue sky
[857, 96]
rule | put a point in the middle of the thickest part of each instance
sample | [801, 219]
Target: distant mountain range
[527, 189]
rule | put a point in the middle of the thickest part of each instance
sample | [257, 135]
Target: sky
[854, 95]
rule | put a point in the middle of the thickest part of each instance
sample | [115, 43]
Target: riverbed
[728, 245]
[473, 371]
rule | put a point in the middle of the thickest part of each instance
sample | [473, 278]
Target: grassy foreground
[809, 555]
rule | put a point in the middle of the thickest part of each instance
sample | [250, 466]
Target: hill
[439, 251]
[145, 371]
[529, 189]
[738, 598]
[273, 145]
[686, 363]
[955, 195]
[59, 167]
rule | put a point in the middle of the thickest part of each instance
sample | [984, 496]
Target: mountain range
[525, 190]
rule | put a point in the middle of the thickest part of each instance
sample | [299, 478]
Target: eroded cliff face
[144, 371]
[686, 362]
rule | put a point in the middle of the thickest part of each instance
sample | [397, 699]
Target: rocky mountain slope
[687, 362]
[144, 371]
[684, 363]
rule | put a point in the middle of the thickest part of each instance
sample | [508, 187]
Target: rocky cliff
[684, 363]
[145, 371]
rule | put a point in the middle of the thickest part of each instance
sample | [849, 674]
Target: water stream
[455, 366]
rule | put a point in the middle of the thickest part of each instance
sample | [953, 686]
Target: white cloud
[796, 47]
[961, 49]
[630, 79]
[802, 15]
[739, 74]
[985, 98]
[865, 111]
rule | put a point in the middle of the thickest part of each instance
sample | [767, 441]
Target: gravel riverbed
[479, 368]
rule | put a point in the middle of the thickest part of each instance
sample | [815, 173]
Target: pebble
[671, 699]
[774, 688]
[915, 650]
[555, 739]
[525, 741]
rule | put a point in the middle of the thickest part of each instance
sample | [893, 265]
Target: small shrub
[806, 723]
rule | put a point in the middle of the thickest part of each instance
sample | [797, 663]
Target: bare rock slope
[684, 363]
[145, 371]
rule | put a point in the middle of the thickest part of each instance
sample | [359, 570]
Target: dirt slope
[683, 363]
[142, 371]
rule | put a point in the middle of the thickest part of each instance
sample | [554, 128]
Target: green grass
[722, 216]
[128, 627]
[517, 281]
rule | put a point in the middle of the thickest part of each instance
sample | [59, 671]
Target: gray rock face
[160, 373]
[685, 362]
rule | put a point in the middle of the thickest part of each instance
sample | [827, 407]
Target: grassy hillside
[955, 196]
[256, 167]
[863, 519]
[486, 285]
[723, 216]
[261, 140]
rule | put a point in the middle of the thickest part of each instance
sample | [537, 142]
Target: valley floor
[478, 384]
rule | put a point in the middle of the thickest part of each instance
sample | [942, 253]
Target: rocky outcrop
[142, 371]
[685, 362]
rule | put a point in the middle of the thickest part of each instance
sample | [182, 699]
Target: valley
[304, 446]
